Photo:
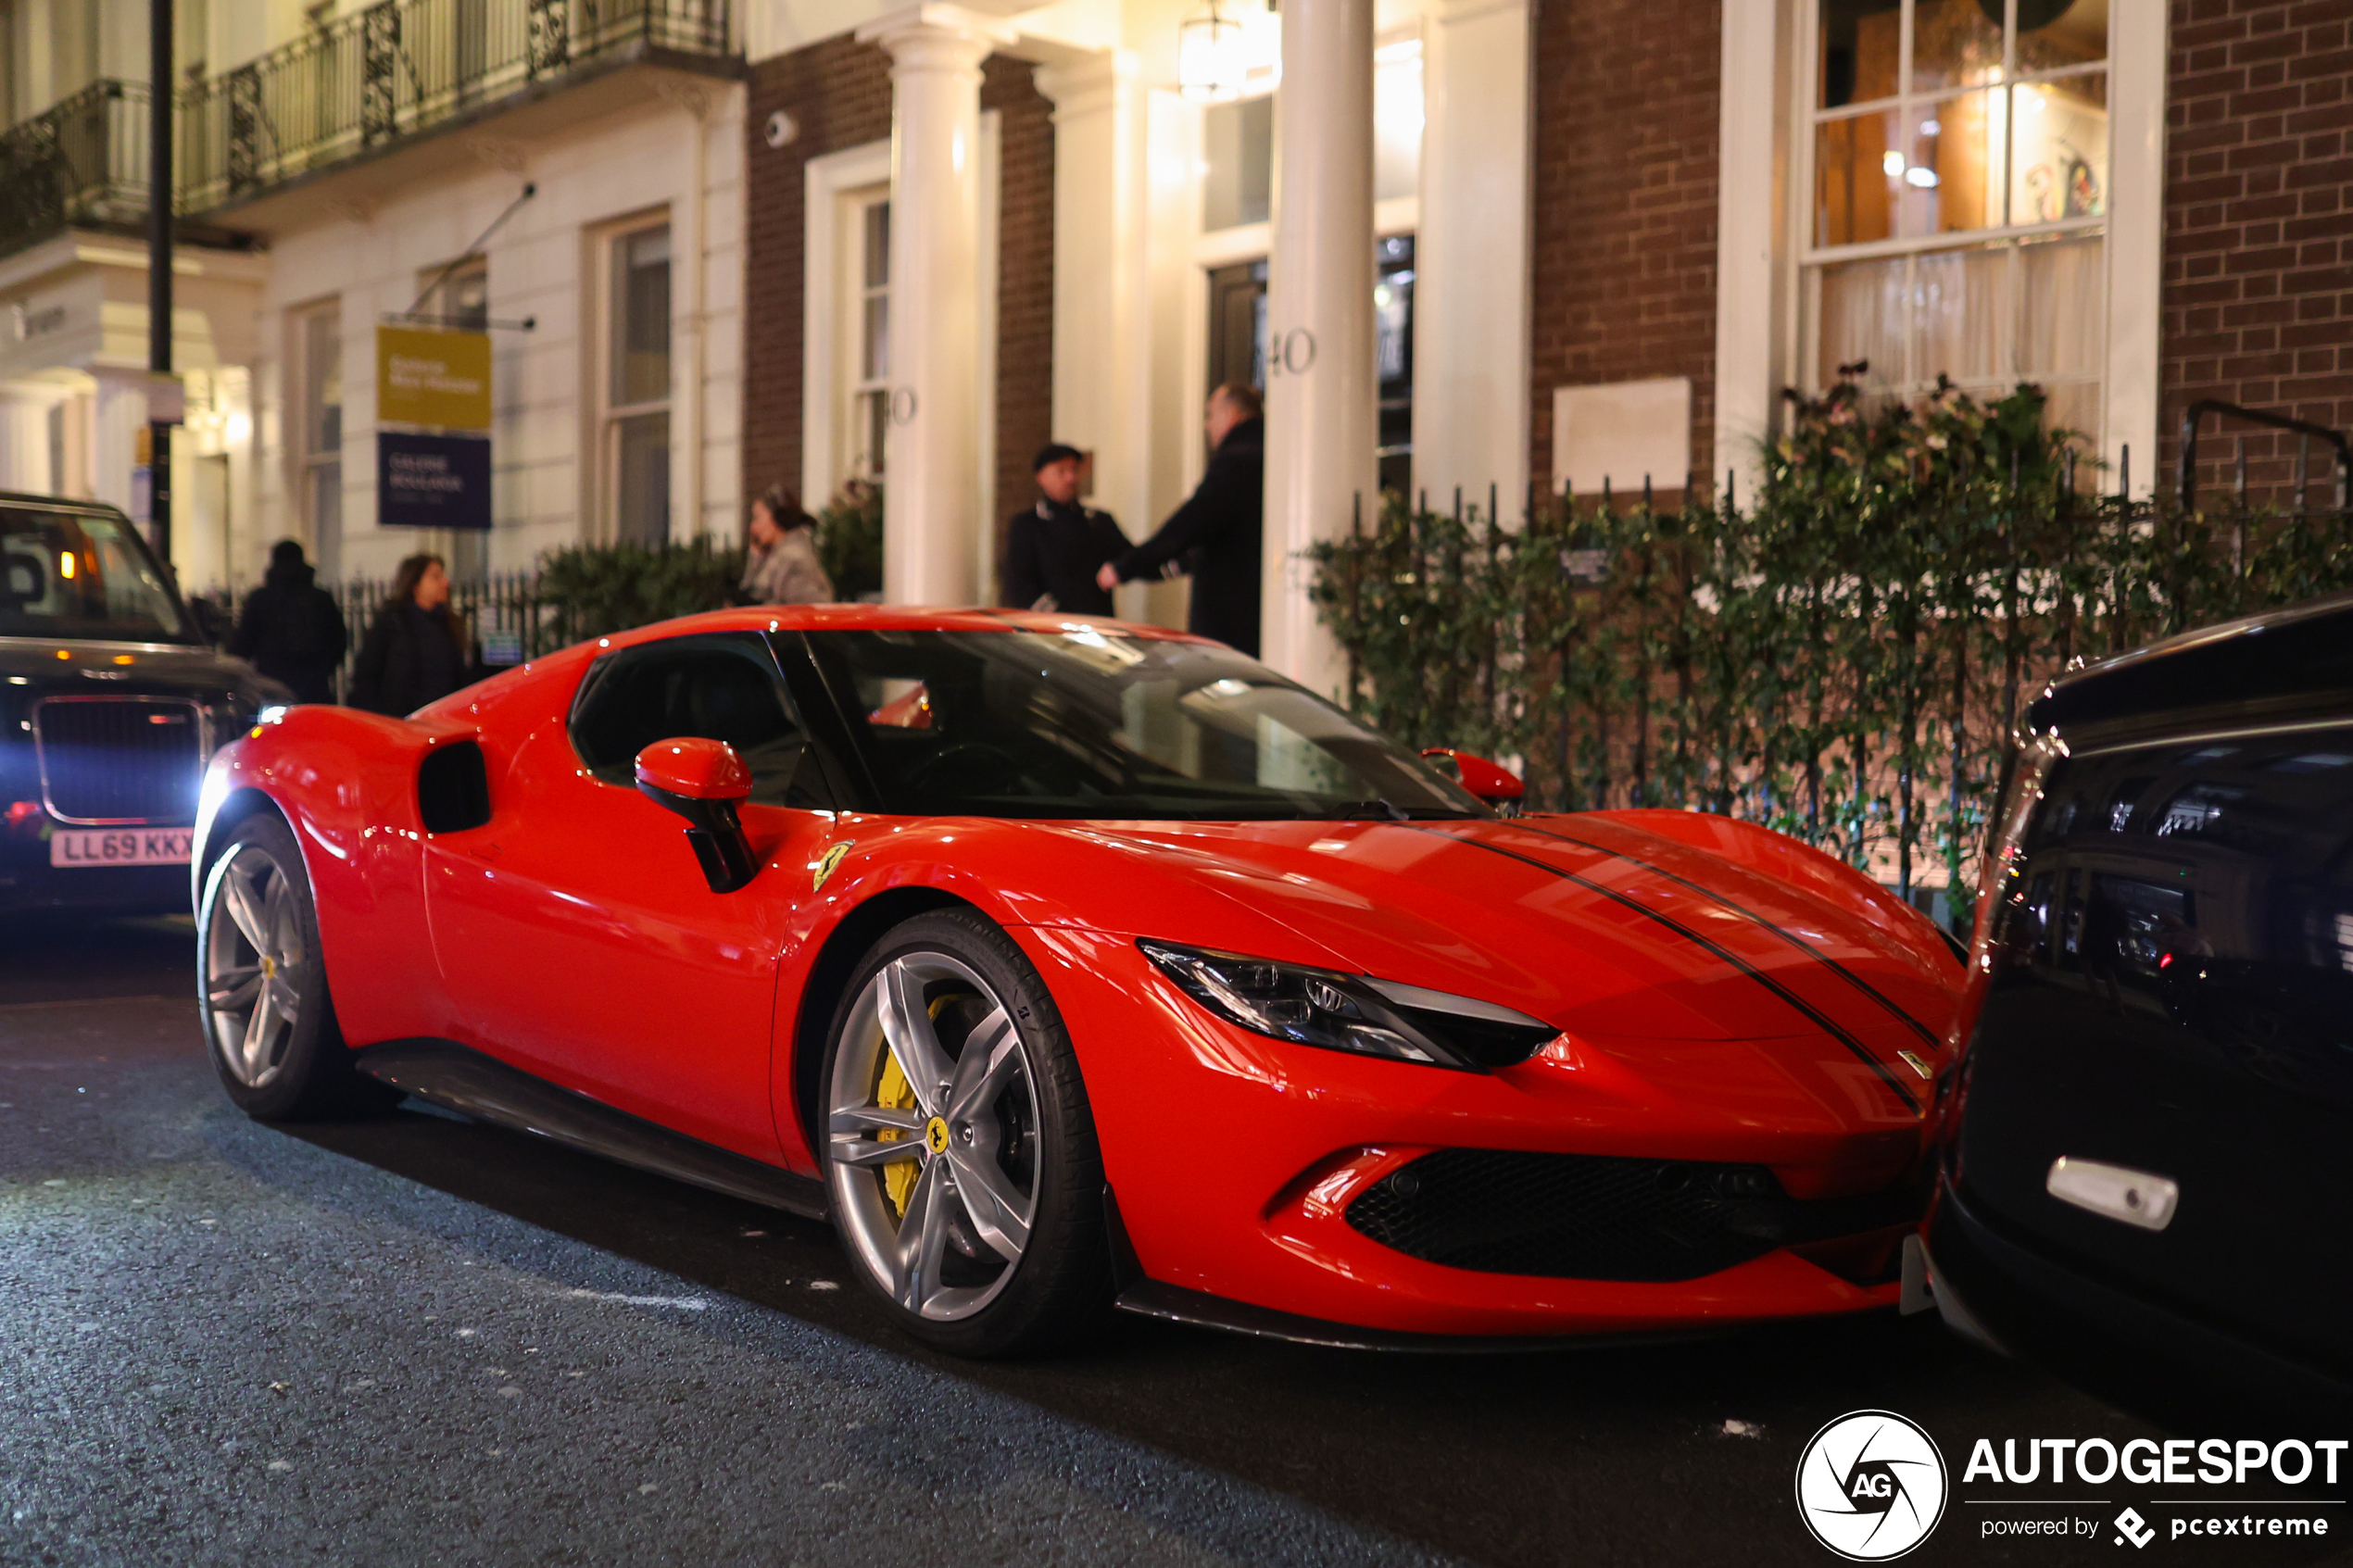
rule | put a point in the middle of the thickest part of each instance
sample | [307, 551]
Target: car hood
[110, 668]
[1599, 927]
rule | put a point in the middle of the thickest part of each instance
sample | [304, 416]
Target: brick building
[1536, 244]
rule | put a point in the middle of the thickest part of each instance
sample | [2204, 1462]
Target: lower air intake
[1586, 1216]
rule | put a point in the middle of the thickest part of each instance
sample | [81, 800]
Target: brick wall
[2259, 226]
[838, 91]
[1024, 278]
[1624, 263]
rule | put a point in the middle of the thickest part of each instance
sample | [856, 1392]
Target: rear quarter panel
[346, 782]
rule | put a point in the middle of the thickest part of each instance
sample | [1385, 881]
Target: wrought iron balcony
[378, 77]
[83, 161]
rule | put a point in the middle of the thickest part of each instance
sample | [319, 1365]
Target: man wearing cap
[1053, 550]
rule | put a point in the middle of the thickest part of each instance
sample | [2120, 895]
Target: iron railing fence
[83, 160]
[508, 617]
[1701, 656]
[374, 77]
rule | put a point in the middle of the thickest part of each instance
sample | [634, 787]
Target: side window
[719, 688]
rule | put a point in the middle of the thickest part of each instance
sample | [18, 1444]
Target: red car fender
[1004, 869]
[346, 782]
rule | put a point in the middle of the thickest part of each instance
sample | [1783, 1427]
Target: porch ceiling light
[1209, 55]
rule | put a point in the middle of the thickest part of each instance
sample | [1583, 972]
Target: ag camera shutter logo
[1872, 1486]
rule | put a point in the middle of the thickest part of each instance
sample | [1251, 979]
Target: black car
[110, 703]
[2146, 1162]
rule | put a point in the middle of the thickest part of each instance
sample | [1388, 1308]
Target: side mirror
[1495, 786]
[704, 781]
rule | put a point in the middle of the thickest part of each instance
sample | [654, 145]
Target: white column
[1103, 348]
[1471, 254]
[24, 442]
[122, 413]
[2135, 245]
[1321, 394]
[931, 522]
[1751, 265]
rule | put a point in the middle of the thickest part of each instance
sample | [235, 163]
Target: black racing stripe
[1861, 1052]
[1792, 938]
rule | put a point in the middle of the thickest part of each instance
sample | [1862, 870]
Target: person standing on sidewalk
[780, 562]
[415, 651]
[290, 628]
[1216, 533]
[1053, 550]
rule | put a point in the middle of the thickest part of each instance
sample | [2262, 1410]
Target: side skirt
[458, 1079]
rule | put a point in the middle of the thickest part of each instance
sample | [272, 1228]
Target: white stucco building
[339, 166]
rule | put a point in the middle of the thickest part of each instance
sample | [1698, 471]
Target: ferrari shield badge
[826, 863]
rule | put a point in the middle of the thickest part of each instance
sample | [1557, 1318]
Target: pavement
[416, 1340]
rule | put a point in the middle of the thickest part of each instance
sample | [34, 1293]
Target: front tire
[959, 1152]
[261, 986]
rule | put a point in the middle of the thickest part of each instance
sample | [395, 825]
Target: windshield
[1083, 723]
[81, 575]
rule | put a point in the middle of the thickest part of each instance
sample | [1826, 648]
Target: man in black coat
[290, 629]
[1053, 550]
[1217, 530]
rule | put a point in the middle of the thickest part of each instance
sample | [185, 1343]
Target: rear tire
[987, 1238]
[261, 985]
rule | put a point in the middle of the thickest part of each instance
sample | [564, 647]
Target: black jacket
[1057, 549]
[1220, 527]
[290, 630]
[409, 658]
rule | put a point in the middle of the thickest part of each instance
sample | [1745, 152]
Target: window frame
[608, 417]
[851, 389]
[309, 462]
[1812, 259]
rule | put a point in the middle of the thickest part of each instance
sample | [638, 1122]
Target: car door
[576, 933]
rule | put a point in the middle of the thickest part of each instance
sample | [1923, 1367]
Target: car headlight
[1351, 1012]
[2000, 878]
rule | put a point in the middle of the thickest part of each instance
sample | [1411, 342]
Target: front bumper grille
[119, 759]
[1588, 1216]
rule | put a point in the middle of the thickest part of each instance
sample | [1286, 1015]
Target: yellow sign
[425, 377]
[825, 867]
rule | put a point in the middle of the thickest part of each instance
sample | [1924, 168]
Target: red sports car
[1063, 963]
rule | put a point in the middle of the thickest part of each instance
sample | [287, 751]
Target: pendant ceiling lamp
[1209, 55]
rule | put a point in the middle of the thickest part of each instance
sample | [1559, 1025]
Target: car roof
[893, 618]
[58, 503]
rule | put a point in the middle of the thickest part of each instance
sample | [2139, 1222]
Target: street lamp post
[159, 103]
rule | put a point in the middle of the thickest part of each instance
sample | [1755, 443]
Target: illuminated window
[1958, 169]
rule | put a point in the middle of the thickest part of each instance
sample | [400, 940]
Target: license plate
[120, 846]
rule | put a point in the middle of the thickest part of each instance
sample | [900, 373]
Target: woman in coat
[415, 651]
[781, 565]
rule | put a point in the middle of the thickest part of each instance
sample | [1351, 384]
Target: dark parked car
[110, 703]
[2146, 1162]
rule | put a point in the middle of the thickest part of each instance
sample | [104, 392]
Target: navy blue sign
[432, 481]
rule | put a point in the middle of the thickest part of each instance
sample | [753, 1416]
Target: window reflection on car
[1086, 724]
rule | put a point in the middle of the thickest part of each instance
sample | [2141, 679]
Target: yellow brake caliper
[893, 1093]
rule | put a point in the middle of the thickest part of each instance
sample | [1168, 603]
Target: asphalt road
[415, 1339]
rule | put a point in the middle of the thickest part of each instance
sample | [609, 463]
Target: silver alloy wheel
[972, 1131]
[253, 948]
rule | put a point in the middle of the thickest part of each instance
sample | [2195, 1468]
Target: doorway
[1238, 344]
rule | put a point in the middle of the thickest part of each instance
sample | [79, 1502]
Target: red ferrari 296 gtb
[1068, 963]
